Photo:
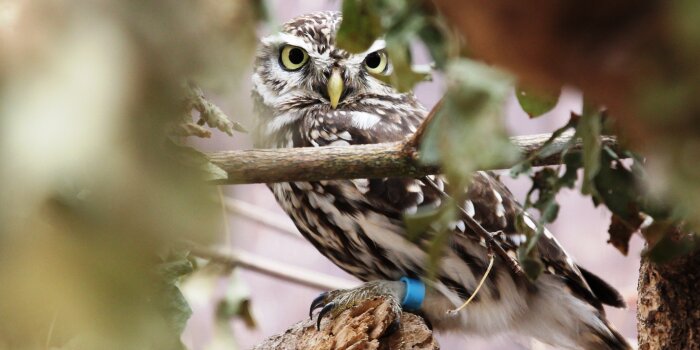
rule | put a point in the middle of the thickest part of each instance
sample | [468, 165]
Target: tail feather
[606, 339]
[606, 293]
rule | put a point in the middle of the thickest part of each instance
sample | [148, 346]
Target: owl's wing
[488, 202]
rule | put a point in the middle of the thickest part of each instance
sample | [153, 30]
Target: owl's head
[301, 68]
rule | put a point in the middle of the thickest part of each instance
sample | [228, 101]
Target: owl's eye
[376, 62]
[293, 57]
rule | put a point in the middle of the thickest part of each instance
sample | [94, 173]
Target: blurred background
[96, 204]
[276, 304]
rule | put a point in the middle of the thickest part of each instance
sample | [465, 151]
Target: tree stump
[363, 327]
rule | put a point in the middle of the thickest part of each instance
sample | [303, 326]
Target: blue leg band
[415, 293]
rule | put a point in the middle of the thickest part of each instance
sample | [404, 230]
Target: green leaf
[668, 241]
[213, 172]
[170, 302]
[421, 222]
[533, 267]
[433, 36]
[171, 270]
[536, 102]
[589, 130]
[403, 77]
[621, 231]
[360, 27]
[467, 133]
[618, 188]
[236, 302]
[572, 162]
[196, 159]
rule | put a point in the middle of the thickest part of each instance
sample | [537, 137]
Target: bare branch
[397, 159]
[239, 258]
[262, 216]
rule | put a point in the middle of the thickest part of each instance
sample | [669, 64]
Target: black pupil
[296, 56]
[373, 60]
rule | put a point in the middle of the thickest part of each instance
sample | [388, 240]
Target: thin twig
[483, 233]
[239, 258]
[262, 216]
[227, 226]
[478, 286]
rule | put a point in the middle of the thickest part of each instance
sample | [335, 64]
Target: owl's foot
[335, 302]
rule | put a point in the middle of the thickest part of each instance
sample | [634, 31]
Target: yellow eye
[293, 57]
[376, 62]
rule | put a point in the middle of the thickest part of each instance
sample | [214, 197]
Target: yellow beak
[335, 87]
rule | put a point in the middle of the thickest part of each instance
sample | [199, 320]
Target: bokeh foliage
[467, 133]
[96, 205]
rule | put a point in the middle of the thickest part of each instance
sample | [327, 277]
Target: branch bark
[397, 159]
[364, 326]
[668, 308]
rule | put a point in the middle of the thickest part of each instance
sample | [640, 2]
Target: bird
[308, 92]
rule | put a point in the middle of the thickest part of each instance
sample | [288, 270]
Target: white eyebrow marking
[377, 45]
[286, 38]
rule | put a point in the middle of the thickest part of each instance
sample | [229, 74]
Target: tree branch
[397, 159]
[239, 258]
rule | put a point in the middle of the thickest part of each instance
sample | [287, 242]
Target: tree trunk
[669, 304]
[366, 326]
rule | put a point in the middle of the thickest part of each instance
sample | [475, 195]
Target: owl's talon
[393, 327]
[335, 302]
[326, 309]
[317, 303]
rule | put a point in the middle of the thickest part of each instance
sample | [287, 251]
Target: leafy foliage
[96, 198]
[614, 178]
[470, 109]
[535, 102]
[399, 22]
[466, 133]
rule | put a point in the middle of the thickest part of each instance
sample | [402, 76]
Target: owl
[310, 93]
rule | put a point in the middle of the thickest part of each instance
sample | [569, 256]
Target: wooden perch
[365, 326]
[397, 159]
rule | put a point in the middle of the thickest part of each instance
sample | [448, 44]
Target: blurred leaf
[171, 270]
[419, 223]
[262, 13]
[572, 162]
[533, 267]
[618, 189]
[171, 303]
[433, 35]
[589, 129]
[668, 240]
[620, 233]
[400, 23]
[361, 25]
[236, 302]
[471, 109]
[403, 76]
[198, 160]
[536, 102]
[214, 172]
[528, 256]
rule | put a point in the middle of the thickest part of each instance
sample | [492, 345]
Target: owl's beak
[335, 87]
